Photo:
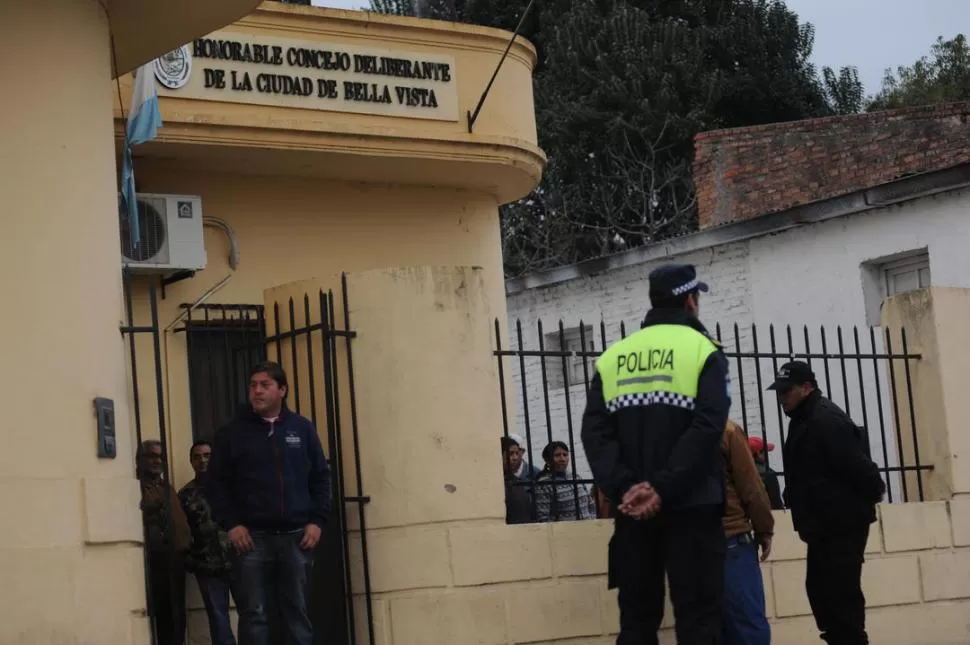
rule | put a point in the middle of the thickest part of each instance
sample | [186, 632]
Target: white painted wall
[814, 275]
[819, 275]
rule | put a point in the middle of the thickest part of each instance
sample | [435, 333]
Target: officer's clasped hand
[640, 502]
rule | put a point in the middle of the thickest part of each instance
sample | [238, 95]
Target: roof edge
[879, 196]
[927, 111]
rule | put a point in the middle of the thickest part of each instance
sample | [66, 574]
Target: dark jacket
[165, 522]
[268, 476]
[211, 553]
[675, 449]
[770, 479]
[831, 484]
[518, 502]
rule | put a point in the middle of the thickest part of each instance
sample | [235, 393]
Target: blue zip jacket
[268, 476]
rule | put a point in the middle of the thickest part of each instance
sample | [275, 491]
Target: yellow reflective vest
[660, 364]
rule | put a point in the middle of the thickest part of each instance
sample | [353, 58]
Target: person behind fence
[655, 413]
[759, 450]
[748, 526]
[521, 468]
[558, 497]
[832, 488]
[167, 538]
[518, 501]
[269, 487]
[211, 556]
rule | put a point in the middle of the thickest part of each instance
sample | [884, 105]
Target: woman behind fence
[522, 469]
[558, 498]
[518, 496]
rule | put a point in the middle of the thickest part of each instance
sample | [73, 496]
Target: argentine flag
[143, 123]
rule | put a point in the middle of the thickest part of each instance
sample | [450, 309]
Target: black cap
[672, 280]
[792, 374]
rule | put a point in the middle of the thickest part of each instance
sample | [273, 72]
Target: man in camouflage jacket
[211, 556]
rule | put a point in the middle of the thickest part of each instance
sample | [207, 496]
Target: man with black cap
[832, 489]
[656, 409]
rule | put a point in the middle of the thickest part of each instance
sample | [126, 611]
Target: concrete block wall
[492, 584]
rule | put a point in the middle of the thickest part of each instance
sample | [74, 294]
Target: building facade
[808, 225]
[345, 222]
[303, 151]
[70, 554]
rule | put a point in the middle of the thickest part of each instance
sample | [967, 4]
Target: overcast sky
[870, 34]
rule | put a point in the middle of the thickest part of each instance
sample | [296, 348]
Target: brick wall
[742, 173]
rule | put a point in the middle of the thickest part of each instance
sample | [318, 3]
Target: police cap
[673, 280]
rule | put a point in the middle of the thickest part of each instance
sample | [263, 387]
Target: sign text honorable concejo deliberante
[266, 70]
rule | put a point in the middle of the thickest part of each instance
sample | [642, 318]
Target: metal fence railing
[222, 343]
[544, 375]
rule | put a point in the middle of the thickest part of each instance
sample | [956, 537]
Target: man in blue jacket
[269, 488]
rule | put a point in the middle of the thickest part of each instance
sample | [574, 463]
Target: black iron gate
[222, 343]
[868, 372]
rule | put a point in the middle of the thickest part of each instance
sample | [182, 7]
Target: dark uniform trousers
[689, 546]
[833, 582]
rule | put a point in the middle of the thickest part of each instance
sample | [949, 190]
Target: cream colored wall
[428, 426]
[546, 583]
[500, 157]
[143, 29]
[70, 554]
[294, 229]
[427, 409]
[430, 198]
[934, 320]
[427, 418]
[69, 558]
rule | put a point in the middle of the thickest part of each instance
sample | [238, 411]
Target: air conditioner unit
[169, 235]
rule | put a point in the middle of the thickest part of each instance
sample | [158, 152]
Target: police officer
[655, 413]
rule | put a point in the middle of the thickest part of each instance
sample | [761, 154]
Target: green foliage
[393, 7]
[618, 99]
[844, 92]
[621, 89]
[942, 77]
[490, 13]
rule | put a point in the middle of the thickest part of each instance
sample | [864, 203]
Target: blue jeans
[744, 620]
[215, 596]
[276, 574]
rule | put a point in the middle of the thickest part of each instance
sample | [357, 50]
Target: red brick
[802, 161]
